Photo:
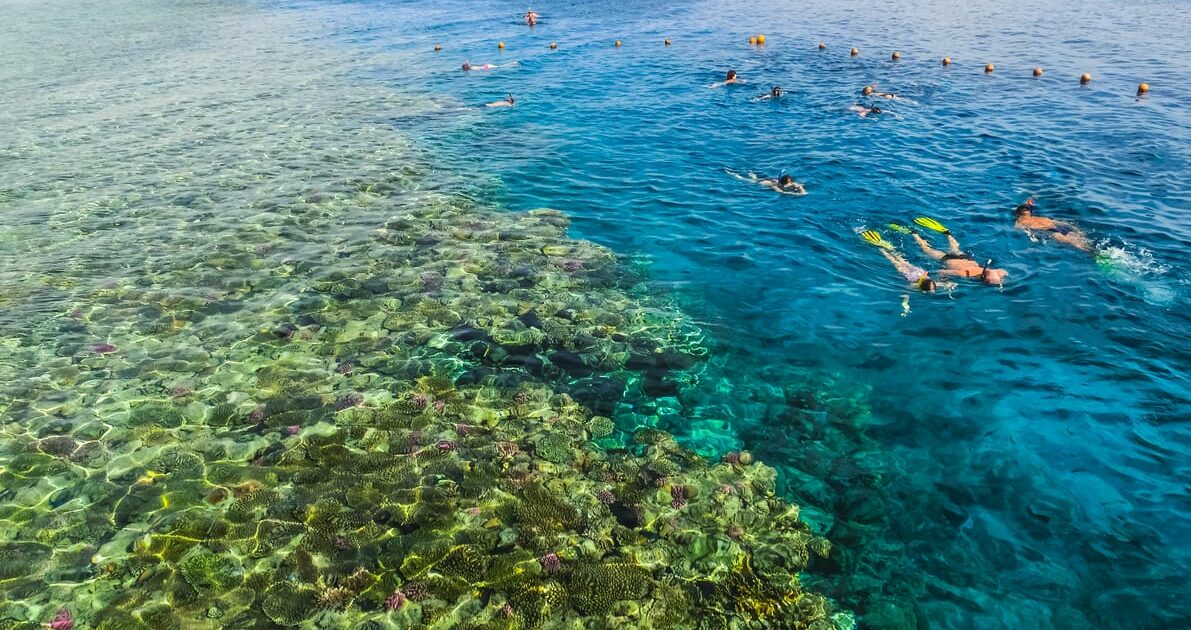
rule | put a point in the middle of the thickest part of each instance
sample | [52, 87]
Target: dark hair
[874, 110]
[776, 90]
[926, 284]
[785, 180]
[510, 99]
[1022, 209]
[731, 74]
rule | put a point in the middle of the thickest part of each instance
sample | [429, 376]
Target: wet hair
[868, 89]
[510, 99]
[1022, 209]
[731, 75]
[926, 284]
[776, 91]
[785, 180]
[467, 65]
[874, 110]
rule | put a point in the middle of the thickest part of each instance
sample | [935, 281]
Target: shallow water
[1024, 460]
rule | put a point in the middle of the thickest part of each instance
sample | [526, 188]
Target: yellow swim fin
[931, 224]
[874, 237]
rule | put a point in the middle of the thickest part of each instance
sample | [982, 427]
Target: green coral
[288, 604]
[595, 587]
[600, 426]
[208, 572]
[554, 447]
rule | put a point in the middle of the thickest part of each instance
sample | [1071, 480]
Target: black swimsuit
[958, 257]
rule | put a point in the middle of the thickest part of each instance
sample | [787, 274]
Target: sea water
[1011, 457]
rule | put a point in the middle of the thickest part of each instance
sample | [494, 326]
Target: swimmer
[531, 17]
[508, 101]
[784, 184]
[467, 65]
[871, 90]
[775, 92]
[961, 264]
[919, 278]
[865, 112]
[728, 80]
[1060, 231]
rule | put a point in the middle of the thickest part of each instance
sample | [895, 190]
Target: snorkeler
[775, 92]
[871, 90]
[865, 112]
[958, 262]
[508, 101]
[467, 65]
[531, 17]
[1060, 231]
[919, 278]
[728, 80]
[784, 184]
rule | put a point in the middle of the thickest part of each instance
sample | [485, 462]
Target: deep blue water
[1028, 447]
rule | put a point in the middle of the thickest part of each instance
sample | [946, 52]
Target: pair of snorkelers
[784, 184]
[956, 262]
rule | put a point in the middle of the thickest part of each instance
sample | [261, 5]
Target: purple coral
[551, 564]
[395, 601]
[345, 367]
[258, 414]
[733, 458]
[416, 591]
[606, 497]
[506, 611]
[678, 493]
[447, 445]
[63, 620]
[463, 429]
[570, 265]
[440, 406]
[293, 429]
[102, 348]
[351, 400]
[420, 401]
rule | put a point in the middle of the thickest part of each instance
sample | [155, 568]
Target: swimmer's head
[874, 110]
[1024, 209]
[784, 181]
[988, 275]
[510, 99]
[731, 75]
[776, 91]
[466, 65]
[925, 283]
[868, 90]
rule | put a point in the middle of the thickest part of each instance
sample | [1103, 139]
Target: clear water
[1024, 463]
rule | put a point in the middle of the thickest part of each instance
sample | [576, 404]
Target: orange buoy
[618, 43]
[753, 40]
[1038, 71]
[667, 41]
[947, 61]
[1085, 78]
[855, 51]
[553, 46]
[437, 47]
[501, 45]
[896, 55]
[990, 67]
[822, 46]
[760, 40]
[1143, 88]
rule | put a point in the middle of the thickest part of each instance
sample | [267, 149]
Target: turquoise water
[993, 458]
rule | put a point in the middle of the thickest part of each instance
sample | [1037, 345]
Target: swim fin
[931, 224]
[874, 237]
[897, 227]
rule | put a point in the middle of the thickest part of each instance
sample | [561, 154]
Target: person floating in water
[961, 264]
[728, 80]
[1060, 231]
[508, 101]
[531, 17]
[918, 277]
[467, 66]
[775, 93]
[784, 184]
[865, 112]
[871, 90]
